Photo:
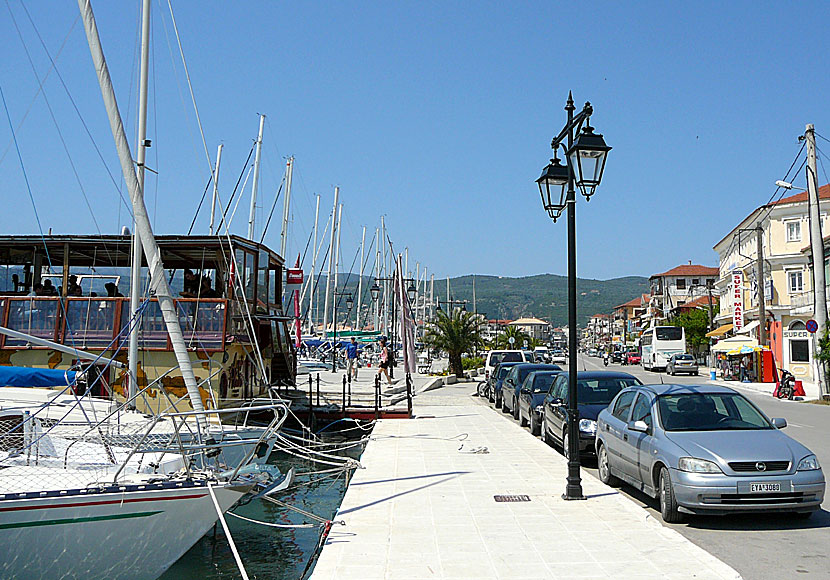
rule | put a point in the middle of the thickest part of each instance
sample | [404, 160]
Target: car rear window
[685, 357]
[511, 357]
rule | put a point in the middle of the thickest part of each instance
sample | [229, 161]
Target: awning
[734, 343]
[748, 328]
[720, 331]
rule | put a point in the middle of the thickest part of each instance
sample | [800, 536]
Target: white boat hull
[128, 532]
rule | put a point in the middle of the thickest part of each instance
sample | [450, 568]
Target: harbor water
[270, 552]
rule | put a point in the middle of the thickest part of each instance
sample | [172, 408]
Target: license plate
[764, 487]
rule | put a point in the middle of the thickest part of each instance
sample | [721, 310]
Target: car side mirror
[556, 401]
[779, 422]
[640, 426]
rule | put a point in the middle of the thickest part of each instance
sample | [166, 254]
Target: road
[758, 546]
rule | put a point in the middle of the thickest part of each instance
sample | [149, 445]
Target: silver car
[705, 449]
[681, 363]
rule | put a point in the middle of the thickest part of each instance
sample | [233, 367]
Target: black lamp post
[586, 162]
[349, 304]
[410, 291]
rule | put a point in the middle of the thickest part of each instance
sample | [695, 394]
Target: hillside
[544, 295]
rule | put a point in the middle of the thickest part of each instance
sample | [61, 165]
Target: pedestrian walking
[351, 359]
[384, 360]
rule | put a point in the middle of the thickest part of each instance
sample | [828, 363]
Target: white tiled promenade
[423, 507]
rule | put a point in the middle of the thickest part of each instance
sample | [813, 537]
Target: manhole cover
[510, 498]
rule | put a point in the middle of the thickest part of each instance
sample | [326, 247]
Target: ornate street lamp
[586, 163]
[410, 292]
[375, 290]
[587, 160]
[552, 187]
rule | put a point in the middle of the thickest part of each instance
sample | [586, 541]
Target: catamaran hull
[131, 532]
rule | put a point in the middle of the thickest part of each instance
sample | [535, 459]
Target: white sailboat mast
[158, 282]
[313, 268]
[255, 187]
[359, 297]
[331, 261]
[135, 264]
[337, 261]
[377, 275]
[215, 189]
[289, 171]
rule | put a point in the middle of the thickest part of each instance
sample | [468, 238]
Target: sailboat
[123, 495]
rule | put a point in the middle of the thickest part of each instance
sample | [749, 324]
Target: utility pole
[255, 186]
[762, 315]
[816, 247]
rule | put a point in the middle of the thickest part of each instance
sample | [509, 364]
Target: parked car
[632, 357]
[595, 389]
[705, 449]
[513, 382]
[681, 363]
[495, 357]
[531, 394]
[496, 380]
[592, 352]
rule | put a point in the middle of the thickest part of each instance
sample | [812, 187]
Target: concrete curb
[434, 383]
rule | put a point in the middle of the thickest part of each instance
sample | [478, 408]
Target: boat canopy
[34, 377]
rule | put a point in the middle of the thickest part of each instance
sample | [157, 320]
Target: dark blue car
[513, 382]
[595, 390]
[531, 395]
[499, 373]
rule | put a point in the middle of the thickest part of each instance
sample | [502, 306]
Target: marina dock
[461, 491]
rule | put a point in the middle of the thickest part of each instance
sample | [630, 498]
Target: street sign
[511, 340]
[812, 326]
[525, 343]
[293, 280]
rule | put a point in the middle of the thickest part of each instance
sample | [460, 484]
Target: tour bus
[659, 343]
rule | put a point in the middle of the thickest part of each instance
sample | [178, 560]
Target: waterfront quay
[461, 491]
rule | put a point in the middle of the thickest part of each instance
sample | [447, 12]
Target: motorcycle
[786, 386]
[605, 360]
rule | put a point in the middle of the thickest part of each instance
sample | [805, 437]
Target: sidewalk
[424, 507]
[811, 390]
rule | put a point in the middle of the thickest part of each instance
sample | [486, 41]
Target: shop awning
[734, 343]
[720, 331]
[748, 328]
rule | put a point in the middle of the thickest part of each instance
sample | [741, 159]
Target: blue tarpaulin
[29, 377]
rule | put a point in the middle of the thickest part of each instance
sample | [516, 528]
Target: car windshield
[542, 382]
[510, 357]
[601, 391]
[709, 412]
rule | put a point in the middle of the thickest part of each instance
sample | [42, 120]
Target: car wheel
[504, 408]
[605, 475]
[534, 426]
[498, 402]
[668, 503]
[546, 435]
[565, 441]
[696, 373]
[522, 419]
[516, 410]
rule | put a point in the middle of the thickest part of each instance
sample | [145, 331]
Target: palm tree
[503, 340]
[456, 333]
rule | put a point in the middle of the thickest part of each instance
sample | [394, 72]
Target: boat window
[245, 263]
[273, 286]
[202, 323]
[152, 332]
[262, 281]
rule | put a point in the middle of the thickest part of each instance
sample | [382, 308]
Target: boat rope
[309, 515]
[272, 525]
[339, 460]
[350, 463]
[227, 532]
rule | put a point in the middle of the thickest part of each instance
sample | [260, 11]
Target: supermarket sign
[737, 300]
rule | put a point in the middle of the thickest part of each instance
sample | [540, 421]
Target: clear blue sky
[438, 115]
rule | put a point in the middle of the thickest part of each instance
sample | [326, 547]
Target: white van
[495, 357]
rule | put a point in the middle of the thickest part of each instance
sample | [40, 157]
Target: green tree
[456, 333]
[696, 323]
[503, 340]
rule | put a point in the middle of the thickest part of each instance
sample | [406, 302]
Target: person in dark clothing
[190, 287]
[48, 289]
[73, 288]
[112, 290]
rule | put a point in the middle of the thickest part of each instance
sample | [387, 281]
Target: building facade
[787, 288]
